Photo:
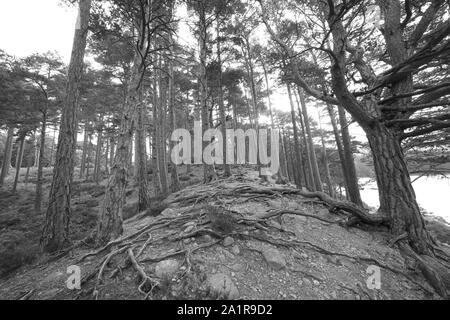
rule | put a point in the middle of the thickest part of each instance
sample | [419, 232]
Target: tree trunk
[315, 167]
[298, 155]
[155, 142]
[326, 163]
[27, 174]
[88, 156]
[39, 178]
[162, 147]
[98, 154]
[209, 174]
[136, 151]
[175, 185]
[353, 187]
[110, 225]
[52, 150]
[291, 156]
[284, 163]
[85, 151]
[397, 197]
[227, 170]
[107, 156]
[308, 168]
[36, 151]
[141, 162]
[19, 162]
[340, 148]
[111, 153]
[56, 230]
[7, 155]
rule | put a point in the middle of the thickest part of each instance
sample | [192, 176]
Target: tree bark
[98, 154]
[162, 147]
[89, 155]
[315, 167]
[397, 196]
[111, 153]
[209, 174]
[39, 180]
[298, 155]
[110, 225]
[227, 170]
[19, 161]
[326, 163]
[353, 187]
[36, 151]
[7, 155]
[308, 168]
[52, 150]
[340, 148]
[175, 185]
[284, 163]
[107, 156]
[84, 153]
[141, 162]
[56, 230]
[155, 143]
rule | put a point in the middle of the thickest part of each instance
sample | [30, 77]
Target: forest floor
[271, 245]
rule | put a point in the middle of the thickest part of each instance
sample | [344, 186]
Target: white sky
[36, 26]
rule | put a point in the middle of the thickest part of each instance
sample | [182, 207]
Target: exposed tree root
[294, 243]
[277, 213]
[241, 225]
[145, 279]
[437, 275]
[103, 266]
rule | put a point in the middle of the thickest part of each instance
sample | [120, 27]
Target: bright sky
[30, 26]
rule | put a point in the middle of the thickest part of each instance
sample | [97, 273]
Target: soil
[205, 230]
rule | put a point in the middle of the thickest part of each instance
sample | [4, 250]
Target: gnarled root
[437, 275]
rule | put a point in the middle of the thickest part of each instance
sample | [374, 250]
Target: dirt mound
[234, 238]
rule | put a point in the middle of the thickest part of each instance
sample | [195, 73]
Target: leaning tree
[388, 67]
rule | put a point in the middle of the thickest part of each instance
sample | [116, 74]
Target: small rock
[323, 212]
[316, 283]
[275, 224]
[189, 229]
[187, 241]
[207, 238]
[293, 296]
[228, 254]
[274, 259]
[168, 213]
[229, 241]
[191, 223]
[237, 267]
[235, 250]
[220, 285]
[166, 269]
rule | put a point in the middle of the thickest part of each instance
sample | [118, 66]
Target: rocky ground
[237, 238]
